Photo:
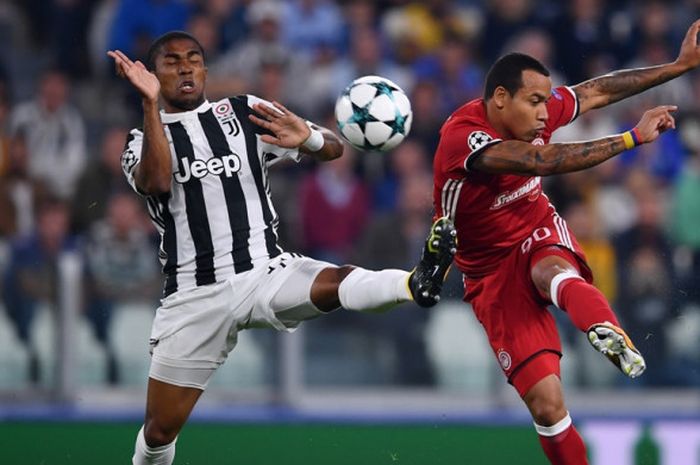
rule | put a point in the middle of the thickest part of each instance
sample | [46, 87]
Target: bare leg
[559, 439]
[324, 291]
[167, 409]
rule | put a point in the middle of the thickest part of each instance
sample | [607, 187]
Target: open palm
[689, 54]
[136, 73]
[289, 130]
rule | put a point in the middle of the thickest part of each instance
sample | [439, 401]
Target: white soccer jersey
[218, 218]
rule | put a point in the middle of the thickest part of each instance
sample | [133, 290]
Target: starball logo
[228, 165]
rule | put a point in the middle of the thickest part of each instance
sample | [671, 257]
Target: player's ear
[499, 97]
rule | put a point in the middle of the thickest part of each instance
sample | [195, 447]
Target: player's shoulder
[134, 133]
[243, 101]
[472, 113]
[562, 92]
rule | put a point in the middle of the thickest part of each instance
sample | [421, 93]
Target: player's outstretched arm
[154, 171]
[610, 88]
[518, 157]
[292, 132]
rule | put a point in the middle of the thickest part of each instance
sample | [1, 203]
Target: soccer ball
[373, 113]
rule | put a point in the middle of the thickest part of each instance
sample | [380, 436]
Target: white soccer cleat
[614, 343]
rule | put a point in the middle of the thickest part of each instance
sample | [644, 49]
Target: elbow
[336, 152]
[330, 151]
[159, 188]
[155, 187]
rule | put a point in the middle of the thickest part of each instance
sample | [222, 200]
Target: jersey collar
[172, 117]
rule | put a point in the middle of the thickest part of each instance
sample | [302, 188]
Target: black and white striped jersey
[218, 217]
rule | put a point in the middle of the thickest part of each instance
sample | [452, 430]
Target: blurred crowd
[64, 117]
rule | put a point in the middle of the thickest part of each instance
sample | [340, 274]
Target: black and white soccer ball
[373, 113]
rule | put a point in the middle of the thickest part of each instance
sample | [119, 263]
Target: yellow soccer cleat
[614, 343]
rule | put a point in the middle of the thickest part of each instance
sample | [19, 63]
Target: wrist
[632, 138]
[314, 142]
[149, 102]
[678, 67]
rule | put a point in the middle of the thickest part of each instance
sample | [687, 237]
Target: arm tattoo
[514, 157]
[619, 85]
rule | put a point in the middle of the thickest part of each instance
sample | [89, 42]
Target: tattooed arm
[610, 88]
[518, 157]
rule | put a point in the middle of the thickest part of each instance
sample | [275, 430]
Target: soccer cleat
[614, 343]
[425, 281]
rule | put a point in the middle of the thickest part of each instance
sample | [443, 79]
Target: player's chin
[187, 102]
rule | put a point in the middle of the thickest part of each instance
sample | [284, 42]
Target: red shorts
[514, 314]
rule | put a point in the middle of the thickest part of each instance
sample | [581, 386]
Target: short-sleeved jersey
[218, 218]
[492, 212]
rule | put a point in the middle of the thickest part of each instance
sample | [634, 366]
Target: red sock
[585, 304]
[565, 448]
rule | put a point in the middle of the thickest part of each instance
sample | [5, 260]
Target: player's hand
[656, 121]
[136, 73]
[289, 130]
[689, 56]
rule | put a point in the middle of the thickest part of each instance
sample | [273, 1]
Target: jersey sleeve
[131, 157]
[272, 153]
[463, 142]
[562, 107]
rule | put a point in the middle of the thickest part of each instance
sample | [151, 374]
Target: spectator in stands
[237, 70]
[335, 209]
[646, 299]
[138, 22]
[4, 115]
[428, 116]
[454, 71]
[54, 132]
[367, 56]
[101, 179]
[399, 231]
[121, 267]
[583, 32]
[32, 274]
[309, 24]
[19, 193]
[68, 28]
[685, 214]
[502, 20]
[409, 158]
[230, 18]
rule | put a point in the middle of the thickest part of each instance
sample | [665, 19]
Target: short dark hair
[507, 72]
[157, 46]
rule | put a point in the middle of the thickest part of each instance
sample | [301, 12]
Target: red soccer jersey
[492, 212]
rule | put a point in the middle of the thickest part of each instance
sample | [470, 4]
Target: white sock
[145, 455]
[373, 291]
[557, 428]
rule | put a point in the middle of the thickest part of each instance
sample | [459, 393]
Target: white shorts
[195, 329]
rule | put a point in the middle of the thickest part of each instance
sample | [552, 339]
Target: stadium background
[80, 280]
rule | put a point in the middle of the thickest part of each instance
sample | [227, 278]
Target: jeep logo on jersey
[228, 165]
[477, 140]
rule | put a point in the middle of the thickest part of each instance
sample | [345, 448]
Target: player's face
[525, 112]
[180, 69]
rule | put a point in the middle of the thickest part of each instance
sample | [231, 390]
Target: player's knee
[157, 435]
[547, 411]
[343, 272]
[545, 271]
